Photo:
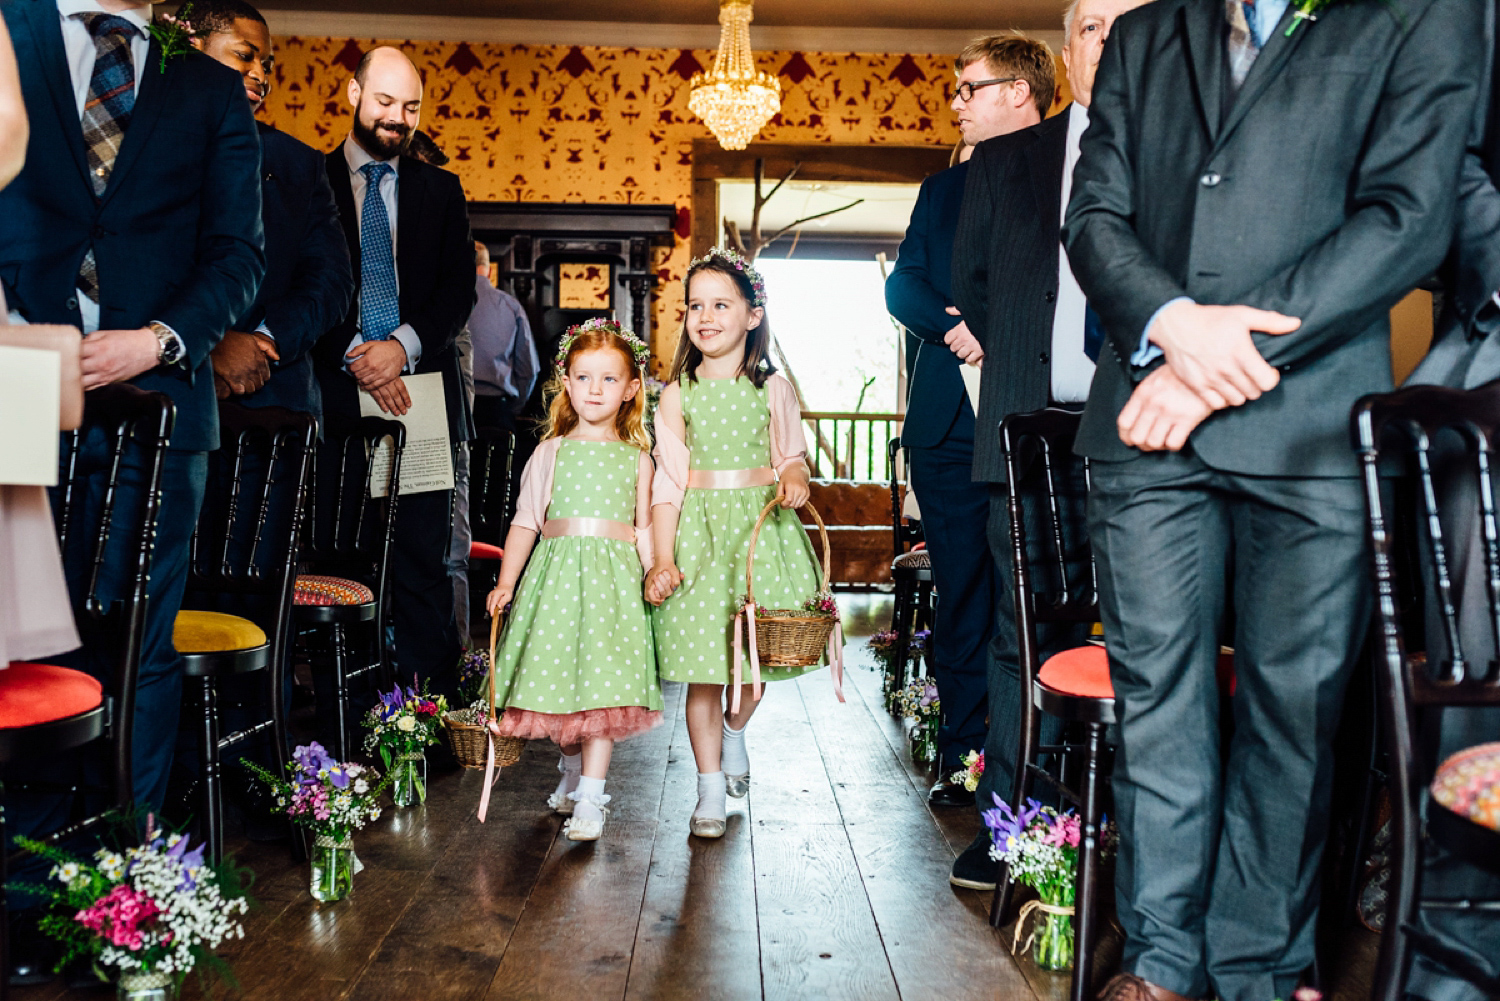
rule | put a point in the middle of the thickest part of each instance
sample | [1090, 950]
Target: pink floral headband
[637, 346]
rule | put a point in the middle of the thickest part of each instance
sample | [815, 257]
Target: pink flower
[117, 917]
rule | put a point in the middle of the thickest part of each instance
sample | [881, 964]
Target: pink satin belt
[599, 528]
[731, 479]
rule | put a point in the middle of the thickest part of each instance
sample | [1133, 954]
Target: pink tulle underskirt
[574, 728]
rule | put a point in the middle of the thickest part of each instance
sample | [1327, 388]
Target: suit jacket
[308, 282]
[1005, 274]
[917, 294]
[176, 235]
[435, 271]
[1323, 190]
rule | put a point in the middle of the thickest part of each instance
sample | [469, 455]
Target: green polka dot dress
[728, 427]
[575, 659]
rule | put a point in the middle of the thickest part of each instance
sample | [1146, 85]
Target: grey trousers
[1218, 869]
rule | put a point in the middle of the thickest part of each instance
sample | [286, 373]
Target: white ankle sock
[570, 766]
[711, 796]
[733, 758]
[589, 799]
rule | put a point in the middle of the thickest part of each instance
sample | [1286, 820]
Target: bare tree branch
[783, 231]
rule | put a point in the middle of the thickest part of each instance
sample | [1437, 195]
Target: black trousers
[427, 643]
[954, 512]
[1218, 865]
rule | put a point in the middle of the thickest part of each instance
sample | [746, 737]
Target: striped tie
[1242, 45]
[106, 113]
[379, 305]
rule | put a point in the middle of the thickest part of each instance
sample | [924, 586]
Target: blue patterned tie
[1093, 333]
[106, 114]
[379, 306]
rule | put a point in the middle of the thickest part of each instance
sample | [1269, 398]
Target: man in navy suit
[137, 219]
[406, 224]
[264, 359]
[1005, 83]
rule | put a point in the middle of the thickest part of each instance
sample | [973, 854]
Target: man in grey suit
[1256, 190]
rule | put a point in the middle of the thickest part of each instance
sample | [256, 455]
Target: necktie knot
[101, 26]
[375, 171]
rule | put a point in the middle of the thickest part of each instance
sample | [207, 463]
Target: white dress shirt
[1072, 371]
[356, 157]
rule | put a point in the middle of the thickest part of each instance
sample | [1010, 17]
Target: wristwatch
[169, 346]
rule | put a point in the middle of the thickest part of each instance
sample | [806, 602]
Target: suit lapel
[1202, 26]
[343, 197]
[408, 213]
[1046, 156]
[45, 27]
[149, 100]
[1277, 51]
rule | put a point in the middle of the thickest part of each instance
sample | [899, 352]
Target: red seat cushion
[1082, 671]
[485, 551]
[1468, 783]
[315, 589]
[40, 693]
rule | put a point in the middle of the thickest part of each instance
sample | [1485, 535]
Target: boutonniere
[1308, 10]
[171, 34]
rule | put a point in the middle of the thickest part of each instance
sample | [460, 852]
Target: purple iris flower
[1005, 824]
[338, 777]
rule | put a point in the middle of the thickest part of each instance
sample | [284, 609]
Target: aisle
[831, 882]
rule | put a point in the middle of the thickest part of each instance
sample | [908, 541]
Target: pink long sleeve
[535, 493]
[788, 443]
[673, 460]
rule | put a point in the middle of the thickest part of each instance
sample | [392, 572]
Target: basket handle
[755, 537]
[494, 637]
[490, 725]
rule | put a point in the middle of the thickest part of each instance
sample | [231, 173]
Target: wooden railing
[849, 446]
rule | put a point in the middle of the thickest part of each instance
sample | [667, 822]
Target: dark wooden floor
[831, 882]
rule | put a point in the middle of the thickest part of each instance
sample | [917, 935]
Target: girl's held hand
[792, 491]
[661, 582]
[498, 599]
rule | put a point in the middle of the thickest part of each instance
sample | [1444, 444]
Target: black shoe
[946, 794]
[32, 954]
[974, 869]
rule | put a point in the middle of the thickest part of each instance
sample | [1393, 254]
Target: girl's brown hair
[562, 419]
[756, 365]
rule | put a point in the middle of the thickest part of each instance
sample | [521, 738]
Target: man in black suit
[264, 360]
[1256, 191]
[1012, 283]
[406, 225]
[1005, 83]
[137, 218]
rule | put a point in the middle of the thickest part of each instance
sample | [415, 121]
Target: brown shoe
[1129, 987]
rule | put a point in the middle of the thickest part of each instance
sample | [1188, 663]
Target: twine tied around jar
[1028, 911]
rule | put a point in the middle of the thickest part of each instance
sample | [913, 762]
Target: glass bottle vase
[147, 987]
[409, 785]
[1052, 933]
[924, 743]
[332, 869]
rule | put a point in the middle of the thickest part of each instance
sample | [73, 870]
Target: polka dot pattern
[578, 637]
[728, 427]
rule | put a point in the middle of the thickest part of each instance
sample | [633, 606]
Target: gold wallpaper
[609, 125]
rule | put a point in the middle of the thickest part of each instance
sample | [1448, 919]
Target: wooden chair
[46, 710]
[490, 502]
[244, 556]
[346, 556]
[1415, 688]
[1061, 587]
[911, 570]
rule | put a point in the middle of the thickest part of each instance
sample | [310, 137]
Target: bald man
[407, 226]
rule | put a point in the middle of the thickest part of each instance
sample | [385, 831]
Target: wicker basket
[471, 740]
[789, 637]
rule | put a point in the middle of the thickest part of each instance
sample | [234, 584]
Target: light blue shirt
[1263, 16]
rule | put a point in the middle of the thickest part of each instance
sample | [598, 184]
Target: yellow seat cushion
[214, 632]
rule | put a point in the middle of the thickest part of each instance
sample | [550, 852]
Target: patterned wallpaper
[609, 125]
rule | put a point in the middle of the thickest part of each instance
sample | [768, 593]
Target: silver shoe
[560, 804]
[737, 786]
[579, 829]
[706, 827]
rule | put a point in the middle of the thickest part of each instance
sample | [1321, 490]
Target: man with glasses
[1005, 83]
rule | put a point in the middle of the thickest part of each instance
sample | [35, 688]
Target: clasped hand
[377, 366]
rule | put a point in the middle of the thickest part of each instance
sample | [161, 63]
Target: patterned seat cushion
[40, 693]
[214, 632]
[314, 589]
[1468, 784]
[917, 559]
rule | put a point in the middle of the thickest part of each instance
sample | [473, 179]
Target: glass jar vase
[409, 784]
[333, 868]
[1052, 931]
[147, 987]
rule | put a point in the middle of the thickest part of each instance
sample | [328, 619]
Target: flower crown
[732, 257]
[637, 346]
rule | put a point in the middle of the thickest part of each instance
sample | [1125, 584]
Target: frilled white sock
[711, 796]
[571, 767]
[589, 799]
[733, 758]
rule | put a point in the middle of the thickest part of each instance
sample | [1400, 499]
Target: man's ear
[353, 91]
[196, 43]
[1020, 94]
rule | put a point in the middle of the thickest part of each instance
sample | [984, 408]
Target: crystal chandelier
[733, 99]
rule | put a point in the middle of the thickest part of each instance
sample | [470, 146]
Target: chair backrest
[490, 465]
[904, 534]
[350, 528]
[133, 426]
[245, 544]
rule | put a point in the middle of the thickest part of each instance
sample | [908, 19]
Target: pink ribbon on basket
[489, 769]
[836, 658]
[743, 618]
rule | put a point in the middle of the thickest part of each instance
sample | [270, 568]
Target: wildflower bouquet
[820, 604]
[1040, 847]
[884, 647]
[973, 767]
[918, 702]
[151, 913]
[400, 726]
[473, 674]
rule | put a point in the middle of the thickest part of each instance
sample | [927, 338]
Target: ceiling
[972, 17]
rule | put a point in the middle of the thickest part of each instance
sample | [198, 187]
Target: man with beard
[407, 227]
[263, 359]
